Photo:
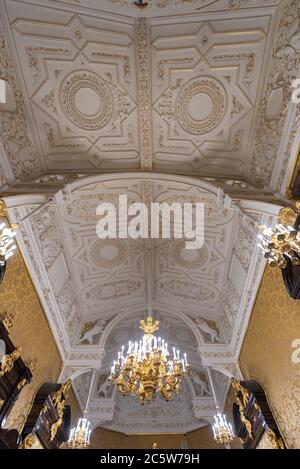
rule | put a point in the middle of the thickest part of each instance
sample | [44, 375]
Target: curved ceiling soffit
[14, 201]
[126, 314]
[83, 182]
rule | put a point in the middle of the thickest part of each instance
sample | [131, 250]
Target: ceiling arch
[136, 311]
[127, 414]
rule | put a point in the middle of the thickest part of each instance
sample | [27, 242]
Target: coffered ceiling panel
[205, 85]
[80, 80]
[111, 274]
[194, 277]
[107, 273]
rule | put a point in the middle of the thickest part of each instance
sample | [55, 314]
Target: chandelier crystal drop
[223, 433]
[7, 245]
[146, 368]
[80, 435]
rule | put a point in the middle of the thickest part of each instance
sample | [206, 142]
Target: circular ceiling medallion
[190, 258]
[87, 100]
[201, 105]
[107, 253]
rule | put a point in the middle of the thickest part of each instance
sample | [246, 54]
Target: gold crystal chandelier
[147, 369]
[223, 433]
[281, 243]
[81, 434]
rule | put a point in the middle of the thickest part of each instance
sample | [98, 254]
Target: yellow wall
[107, 439]
[236, 443]
[31, 332]
[73, 403]
[266, 353]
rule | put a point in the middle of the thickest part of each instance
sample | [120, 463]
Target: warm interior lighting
[147, 368]
[223, 433]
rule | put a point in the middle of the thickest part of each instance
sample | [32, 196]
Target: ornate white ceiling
[95, 291]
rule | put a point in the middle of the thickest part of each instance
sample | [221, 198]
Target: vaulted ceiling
[105, 99]
[194, 87]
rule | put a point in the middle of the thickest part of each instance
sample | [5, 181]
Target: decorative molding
[14, 129]
[144, 88]
[33, 57]
[201, 86]
[85, 81]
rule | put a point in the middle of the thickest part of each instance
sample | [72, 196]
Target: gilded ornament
[22, 384]
[242, 403]
[143, 66]
[8, 320]
[147, 369]
[241, 389]
[3, 209]
[198, 87]
[28, 442]
[276, 442]
[287, 216]
[59, 402]
[149, 326]
[8, 361]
